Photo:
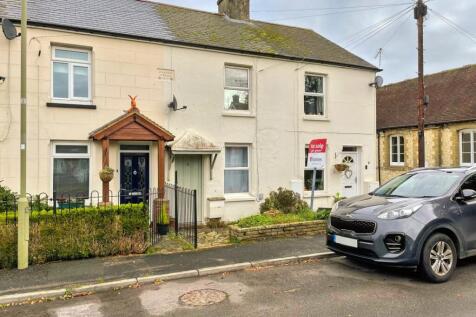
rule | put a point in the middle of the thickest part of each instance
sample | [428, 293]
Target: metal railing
[174, 209]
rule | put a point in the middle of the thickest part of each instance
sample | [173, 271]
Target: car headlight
[404, 212]
[335, 207]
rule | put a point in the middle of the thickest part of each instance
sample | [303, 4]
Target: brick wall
[308, 228]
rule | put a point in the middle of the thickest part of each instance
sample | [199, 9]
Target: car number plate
[346, 241]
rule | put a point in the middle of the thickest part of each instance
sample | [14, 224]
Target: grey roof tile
[145, 19]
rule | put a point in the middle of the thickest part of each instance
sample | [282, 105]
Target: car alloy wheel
[441, 258]
[438, 258]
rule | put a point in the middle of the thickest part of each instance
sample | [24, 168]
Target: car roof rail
[470, 168]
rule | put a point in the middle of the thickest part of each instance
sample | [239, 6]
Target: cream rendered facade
[275, 129]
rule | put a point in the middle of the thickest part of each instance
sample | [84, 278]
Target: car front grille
[357, 226]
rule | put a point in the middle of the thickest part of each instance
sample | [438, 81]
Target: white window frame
[314, 94]
[248, 168]
[398, 162]
[71, 64]
[247, 89]
[472, 132]
[55, 155]
[324, 175]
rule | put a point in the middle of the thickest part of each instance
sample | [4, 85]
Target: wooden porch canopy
[133, 126]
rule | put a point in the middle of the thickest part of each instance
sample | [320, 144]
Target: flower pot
[162, 230]
[106, 175]
[341, 167]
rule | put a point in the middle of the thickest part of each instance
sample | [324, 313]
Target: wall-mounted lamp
[2, 79]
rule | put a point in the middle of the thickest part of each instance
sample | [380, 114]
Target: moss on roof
[216, 30]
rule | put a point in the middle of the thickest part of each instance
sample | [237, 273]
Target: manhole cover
[203, 297]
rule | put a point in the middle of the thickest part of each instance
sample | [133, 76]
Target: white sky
[445, 47]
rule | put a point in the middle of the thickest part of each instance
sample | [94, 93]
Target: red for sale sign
[317, 154]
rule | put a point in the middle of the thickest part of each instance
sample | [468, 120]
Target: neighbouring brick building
[450, 131]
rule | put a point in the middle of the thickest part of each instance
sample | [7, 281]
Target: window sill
[239, 197]
[315, 118]
[243, 114]
[70, 105]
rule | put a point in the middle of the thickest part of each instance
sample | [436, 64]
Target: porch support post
[161, 168]
[105, 163]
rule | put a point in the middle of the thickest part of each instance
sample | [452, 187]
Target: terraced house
[228, 102]
[450, 130]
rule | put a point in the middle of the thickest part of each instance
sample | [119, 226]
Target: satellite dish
[378, 82]
[174, 105]
[9, 29]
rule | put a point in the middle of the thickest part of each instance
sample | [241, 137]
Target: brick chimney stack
[235, 9]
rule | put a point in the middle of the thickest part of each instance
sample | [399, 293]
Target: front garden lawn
[281, 218]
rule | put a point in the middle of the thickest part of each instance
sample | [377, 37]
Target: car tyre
[439, 257]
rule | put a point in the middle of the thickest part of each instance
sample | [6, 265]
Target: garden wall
[307, 228]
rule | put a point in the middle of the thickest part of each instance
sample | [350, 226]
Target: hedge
[78, 234]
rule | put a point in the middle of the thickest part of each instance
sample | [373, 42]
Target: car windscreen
[426, 184]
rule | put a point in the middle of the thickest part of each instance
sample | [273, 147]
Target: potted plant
[106, 174]
[163, 221]
[341, 167]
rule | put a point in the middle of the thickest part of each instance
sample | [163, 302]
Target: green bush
[79, 233]
[7, 198]
[285, 201]
[280, 218]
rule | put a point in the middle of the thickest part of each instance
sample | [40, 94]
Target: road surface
[334, 287]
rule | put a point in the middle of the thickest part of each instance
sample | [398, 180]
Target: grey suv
[424, 219]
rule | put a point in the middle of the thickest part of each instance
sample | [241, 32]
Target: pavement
[68, 274]
[331, 287]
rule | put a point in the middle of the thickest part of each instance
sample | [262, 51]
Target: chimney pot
[235, 9]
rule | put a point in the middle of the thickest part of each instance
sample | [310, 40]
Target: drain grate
[203, 297]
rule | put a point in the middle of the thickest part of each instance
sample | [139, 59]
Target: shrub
[79, 233]
[7, 198]
[285, 201]
[264, 219]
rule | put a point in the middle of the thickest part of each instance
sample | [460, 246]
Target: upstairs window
[468, 147]
[314, 98]
[71, 71]
[237, 88]
[397, 150]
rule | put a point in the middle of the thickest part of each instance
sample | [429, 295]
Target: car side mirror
[467, 194]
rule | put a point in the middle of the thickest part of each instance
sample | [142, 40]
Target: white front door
[351, 177]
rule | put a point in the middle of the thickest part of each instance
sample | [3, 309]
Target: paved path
[335, 287]
[65, 274]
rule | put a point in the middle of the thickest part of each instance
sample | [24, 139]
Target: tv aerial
[9, 29]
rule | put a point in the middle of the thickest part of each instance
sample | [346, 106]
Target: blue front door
[134, 177]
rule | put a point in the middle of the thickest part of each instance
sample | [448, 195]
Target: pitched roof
[128, 119]
[452, 99]
[172, 24]
[192, 142]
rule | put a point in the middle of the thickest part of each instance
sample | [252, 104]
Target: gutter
[427, 125]
[202, 46]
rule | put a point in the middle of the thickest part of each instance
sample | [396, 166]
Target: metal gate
[176, 212]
